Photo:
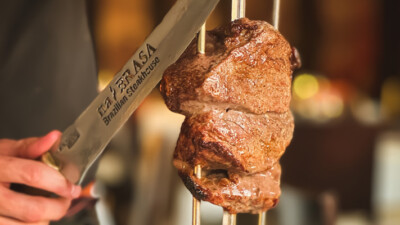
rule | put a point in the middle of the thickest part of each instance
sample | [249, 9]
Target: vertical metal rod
[228, 219]
[238, 9]
[201, 40]
[196, 203]
[275, 18]
[262, 218]
[201, 48]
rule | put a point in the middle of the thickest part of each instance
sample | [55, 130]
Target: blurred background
[343, 165]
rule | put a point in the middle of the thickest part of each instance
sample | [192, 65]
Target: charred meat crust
[211, 190]
[196, 190]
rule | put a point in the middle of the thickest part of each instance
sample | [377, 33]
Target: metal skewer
[196, 203]
[238, 10]
[228, 219]
[201, 40]
[201, 48]
[275, 18]
[262, 217]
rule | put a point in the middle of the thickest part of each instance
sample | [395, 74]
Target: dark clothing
[47, 65]
[47, 69]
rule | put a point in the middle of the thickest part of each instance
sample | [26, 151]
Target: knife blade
[83, 141]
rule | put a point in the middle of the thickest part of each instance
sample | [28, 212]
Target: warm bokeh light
[390, 97]
[332, 106]
[316, 98]
[305, 86]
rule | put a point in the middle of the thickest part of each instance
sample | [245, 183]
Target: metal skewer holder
[237, 11]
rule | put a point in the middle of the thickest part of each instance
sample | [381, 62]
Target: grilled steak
[234, 140]
[236, 102]
[247, 66]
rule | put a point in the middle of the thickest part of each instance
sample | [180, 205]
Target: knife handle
[49, 160]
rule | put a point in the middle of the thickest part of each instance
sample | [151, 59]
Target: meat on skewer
[238, 124]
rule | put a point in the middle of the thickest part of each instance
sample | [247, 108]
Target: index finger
[34, 147]
[31, 147]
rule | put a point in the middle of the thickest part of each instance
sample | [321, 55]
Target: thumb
[35, 147]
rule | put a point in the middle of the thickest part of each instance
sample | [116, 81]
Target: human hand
[17, 165]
